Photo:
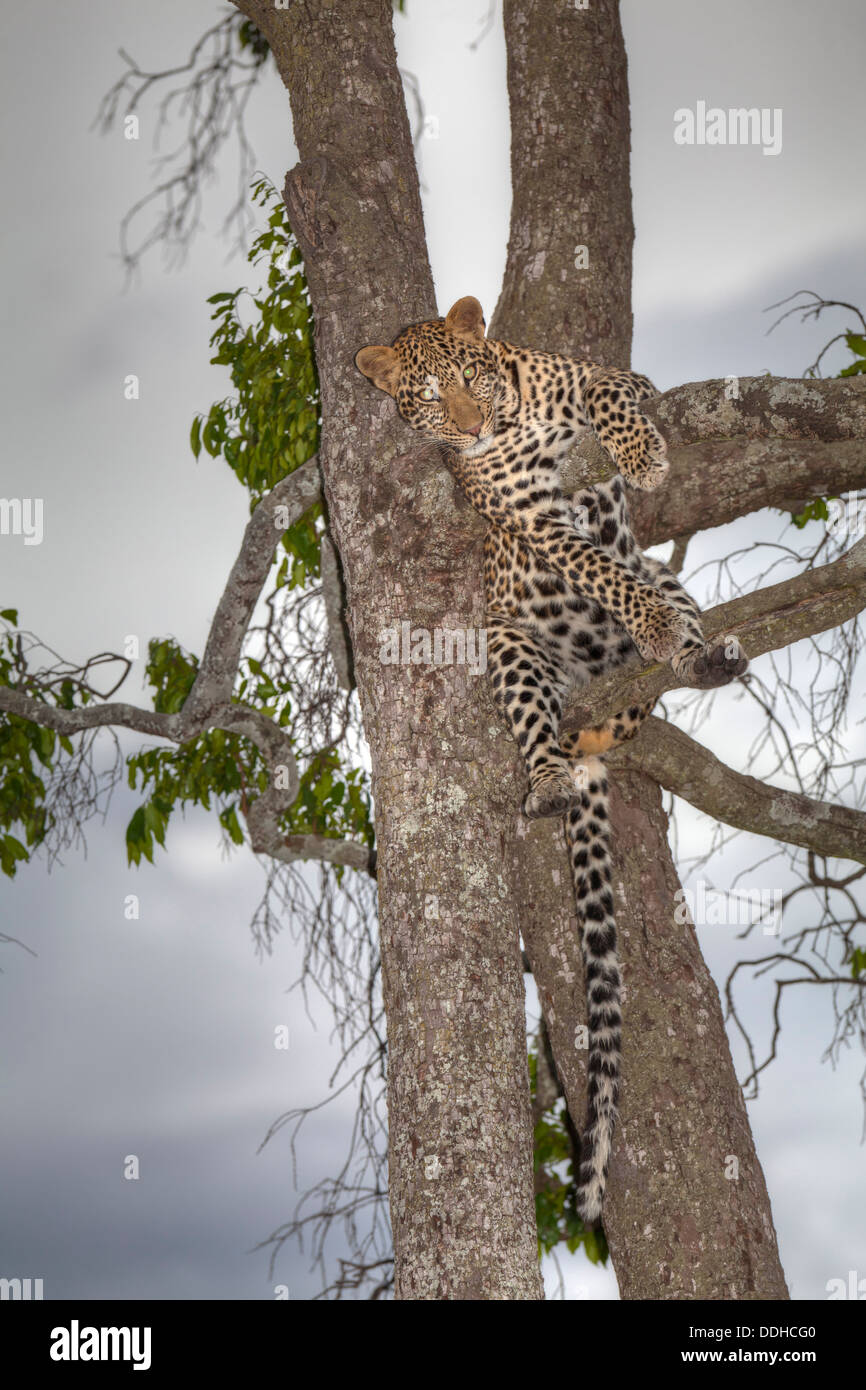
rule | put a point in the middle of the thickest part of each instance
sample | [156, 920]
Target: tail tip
[589, 1203]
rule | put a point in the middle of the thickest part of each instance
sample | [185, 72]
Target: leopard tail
[588, 834]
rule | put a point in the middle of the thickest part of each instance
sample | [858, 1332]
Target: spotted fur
[569, 596]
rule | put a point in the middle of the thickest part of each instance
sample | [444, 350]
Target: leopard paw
[658, 633]
[552, 796]
[643, 461]
[718, 663]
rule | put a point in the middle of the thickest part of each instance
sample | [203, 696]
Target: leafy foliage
[333, 800]
[270, 425]
[25, 748]
[813, 511]
[858, 962]
[251, 37]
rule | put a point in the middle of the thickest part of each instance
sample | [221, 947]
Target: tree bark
[443, 773]
[570, 145]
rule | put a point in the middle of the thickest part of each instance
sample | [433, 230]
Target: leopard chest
[513, 472]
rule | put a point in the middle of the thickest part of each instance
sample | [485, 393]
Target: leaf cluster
[27, 753]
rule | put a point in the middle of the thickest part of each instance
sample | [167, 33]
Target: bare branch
[810, 311]
[813, 976]
[719, 480]
[74, 721]
[285, 504]
[486, 25]
[219, 77]
[813, 308]
[678, 555]
[764, 407]
[689, 770]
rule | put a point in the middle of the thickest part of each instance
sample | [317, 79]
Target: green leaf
[11, 853]
[155, 823]
[136, 837]
[43, 744]
[11, 615]
[592, 1247]
[813, 511]
[267, 425]
[229, 820]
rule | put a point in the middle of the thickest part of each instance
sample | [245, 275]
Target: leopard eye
[471, 371]
[428, 394]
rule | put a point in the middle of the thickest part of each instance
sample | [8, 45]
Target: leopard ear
[465, 319]
[381, 365]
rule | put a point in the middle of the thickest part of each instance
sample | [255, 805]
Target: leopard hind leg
[529, 687]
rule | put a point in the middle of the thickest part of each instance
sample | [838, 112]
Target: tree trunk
[443, 771]
[570, 144]
[676, 1227]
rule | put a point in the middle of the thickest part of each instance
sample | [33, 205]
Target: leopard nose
[473, 429]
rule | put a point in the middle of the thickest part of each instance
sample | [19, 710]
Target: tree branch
[764, 407]
[691, 771]
[719, 480]
[285, 504]
[780, 443]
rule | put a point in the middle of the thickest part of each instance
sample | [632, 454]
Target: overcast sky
[155, 1037]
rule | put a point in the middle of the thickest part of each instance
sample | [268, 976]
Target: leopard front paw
[552, 796]
[643, 461]
[718, 663]
[659, 631]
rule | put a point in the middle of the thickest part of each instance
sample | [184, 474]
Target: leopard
[569, 596]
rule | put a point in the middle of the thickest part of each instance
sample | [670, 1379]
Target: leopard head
[445, 377]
